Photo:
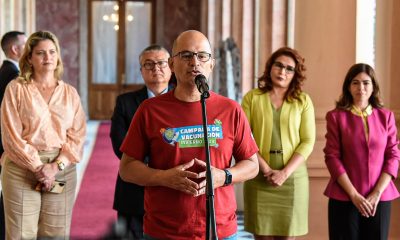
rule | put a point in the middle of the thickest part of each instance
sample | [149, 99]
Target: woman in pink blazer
[362, 156]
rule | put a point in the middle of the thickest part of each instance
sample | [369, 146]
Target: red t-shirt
[171, 133]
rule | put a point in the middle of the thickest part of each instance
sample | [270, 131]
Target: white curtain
[105, 38]
[138, 37]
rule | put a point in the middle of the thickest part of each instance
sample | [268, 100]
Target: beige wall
[394, 49]
[325, 33]
[388, 52]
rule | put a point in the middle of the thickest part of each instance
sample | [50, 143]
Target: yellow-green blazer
[297, 124]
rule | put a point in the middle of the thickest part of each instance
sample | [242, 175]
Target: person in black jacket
[13, 44]
[128, 198]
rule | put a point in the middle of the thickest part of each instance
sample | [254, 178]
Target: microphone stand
[211, 228]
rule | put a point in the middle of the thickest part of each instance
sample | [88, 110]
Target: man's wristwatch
[60, 165]
[228, 177]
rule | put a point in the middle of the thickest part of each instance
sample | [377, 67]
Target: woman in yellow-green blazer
[283, 124]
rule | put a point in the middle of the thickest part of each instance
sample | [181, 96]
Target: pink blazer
[347, 151]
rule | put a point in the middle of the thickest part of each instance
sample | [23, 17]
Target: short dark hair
[294, 90]
[151, 48]
[10, 38]
[346, 99]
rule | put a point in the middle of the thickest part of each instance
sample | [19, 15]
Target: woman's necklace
[46, 91]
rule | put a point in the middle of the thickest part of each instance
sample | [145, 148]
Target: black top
[129, 197]
[8, 72]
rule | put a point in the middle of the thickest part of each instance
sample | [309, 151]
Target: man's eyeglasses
[188, 55]
[280, 66]
[151, 65]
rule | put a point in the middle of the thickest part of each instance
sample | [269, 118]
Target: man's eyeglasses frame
[150, 65]
[188, 55]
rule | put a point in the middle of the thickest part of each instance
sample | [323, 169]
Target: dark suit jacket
[8, 72]
[128, 197]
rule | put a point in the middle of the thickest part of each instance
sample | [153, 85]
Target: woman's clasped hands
[276, 177]
[366, 206]
[45, 175]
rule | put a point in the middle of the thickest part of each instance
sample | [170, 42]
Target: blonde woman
[43, 129]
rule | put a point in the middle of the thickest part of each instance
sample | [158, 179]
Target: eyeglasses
[188, 55]
[151, 65]
[280, 66]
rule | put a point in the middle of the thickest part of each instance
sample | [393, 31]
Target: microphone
[202, 86]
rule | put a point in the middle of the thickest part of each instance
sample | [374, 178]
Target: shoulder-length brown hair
[294, 90]
[346, 100]
[33, 40]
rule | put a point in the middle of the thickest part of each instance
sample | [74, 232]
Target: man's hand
[179, 178]
[218, 177]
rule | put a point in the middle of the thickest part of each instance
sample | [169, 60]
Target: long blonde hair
[33, 40]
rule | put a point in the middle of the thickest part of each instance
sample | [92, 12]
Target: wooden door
[114, 45]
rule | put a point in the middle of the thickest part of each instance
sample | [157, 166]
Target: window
[365, 35]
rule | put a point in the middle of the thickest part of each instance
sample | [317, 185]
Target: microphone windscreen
[199, 78]
[201, 83]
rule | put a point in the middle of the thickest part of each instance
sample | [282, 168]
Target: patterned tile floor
[241, 233]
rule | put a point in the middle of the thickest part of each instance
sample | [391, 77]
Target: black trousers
[134, 224]
[346, 223]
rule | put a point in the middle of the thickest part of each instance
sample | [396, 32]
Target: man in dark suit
[128, 198]
[13, 44]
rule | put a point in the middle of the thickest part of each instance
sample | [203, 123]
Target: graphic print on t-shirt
[193, 136]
